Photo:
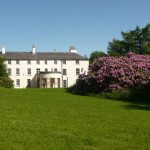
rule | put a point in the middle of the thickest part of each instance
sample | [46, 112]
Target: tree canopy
[5, 81]
[3, 69]
[96, 54]
[124, 77]
[137, 41]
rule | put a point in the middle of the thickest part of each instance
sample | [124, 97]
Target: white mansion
[44, 69]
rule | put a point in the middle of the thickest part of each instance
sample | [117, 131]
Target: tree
[137, 41]
[129, 73]
[5, 81]
[96, 54]
[3, 68]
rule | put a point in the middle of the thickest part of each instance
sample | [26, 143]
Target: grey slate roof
[42, 56]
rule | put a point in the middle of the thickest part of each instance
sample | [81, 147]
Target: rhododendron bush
[107, 74]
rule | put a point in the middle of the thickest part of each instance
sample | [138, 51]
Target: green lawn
[54, 119]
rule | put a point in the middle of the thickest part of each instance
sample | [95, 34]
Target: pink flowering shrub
[107, 74]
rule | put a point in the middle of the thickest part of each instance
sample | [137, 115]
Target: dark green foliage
[116, 48]
[137, 41]
[96, 54]
[114, 53]
[3, 68]
[116, 78]
[80, 88]
[141, 92]
[124, 95]
[5, 81]
[137, 94]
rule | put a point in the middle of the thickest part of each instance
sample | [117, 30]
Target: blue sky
[57, 24]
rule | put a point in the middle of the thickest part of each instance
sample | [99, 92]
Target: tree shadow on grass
[137, 107]
[139, 101]
[140, 98]
[136, 103]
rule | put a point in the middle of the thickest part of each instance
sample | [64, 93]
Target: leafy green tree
[5, 81]
[3, 68]
[95, 54]
[137, 41]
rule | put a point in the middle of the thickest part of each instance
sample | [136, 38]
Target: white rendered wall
[70, 66]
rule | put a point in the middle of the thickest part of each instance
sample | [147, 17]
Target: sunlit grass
[54, 119]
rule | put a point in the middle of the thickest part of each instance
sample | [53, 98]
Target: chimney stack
[73, 49]
[3, 50]
[33, 49]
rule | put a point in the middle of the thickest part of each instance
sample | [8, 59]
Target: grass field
[53, 119]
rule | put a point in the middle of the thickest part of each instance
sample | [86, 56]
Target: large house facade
[44, 69]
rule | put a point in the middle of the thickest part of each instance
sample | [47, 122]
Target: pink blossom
[111, 73]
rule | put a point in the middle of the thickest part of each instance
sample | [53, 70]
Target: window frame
[17, 71]
[64, 83]
[9, 71]
[18, 82]
[45, 62]
[29, 71]
[37, 70]
[64, 62]
[29, 62]
[17, 62]
[64, 71]
[9, 61]
[77, 62]
[55, 62]
[77, 71]
[38, 62]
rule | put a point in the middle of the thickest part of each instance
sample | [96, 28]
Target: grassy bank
[54, 119]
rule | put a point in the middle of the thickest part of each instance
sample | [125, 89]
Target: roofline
[86, 59]
[41, 56]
